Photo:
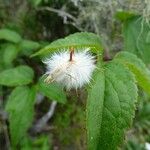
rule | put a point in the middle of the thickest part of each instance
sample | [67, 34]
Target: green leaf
[135, 33]
[53, 91]
[28, 47]
[2, 67]
[124, 15]
[9, 35]
[42, 142]
[148, 38]
[10, 53]
[110, 106]
[138, 68]
[144, 114]
[1, 94]
[77, 40]
[35, 3]
[94, 110]
[21, 75]
[20, 107]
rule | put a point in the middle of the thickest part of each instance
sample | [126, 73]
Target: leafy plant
[18, 78]
[112, 95]
[108, 113]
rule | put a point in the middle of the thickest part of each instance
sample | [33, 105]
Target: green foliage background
[28, 27]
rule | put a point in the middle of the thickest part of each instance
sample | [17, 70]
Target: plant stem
[43, 121]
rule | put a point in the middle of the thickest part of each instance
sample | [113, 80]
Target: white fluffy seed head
[72, 73]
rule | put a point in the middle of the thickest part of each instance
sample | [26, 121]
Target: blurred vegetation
[28, 25]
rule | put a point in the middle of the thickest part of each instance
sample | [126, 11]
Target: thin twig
[64, 15]
[3, 118]
[41, 123]
[59, 12]
[5, 129]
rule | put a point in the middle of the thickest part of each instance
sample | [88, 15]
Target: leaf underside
[110, 106]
